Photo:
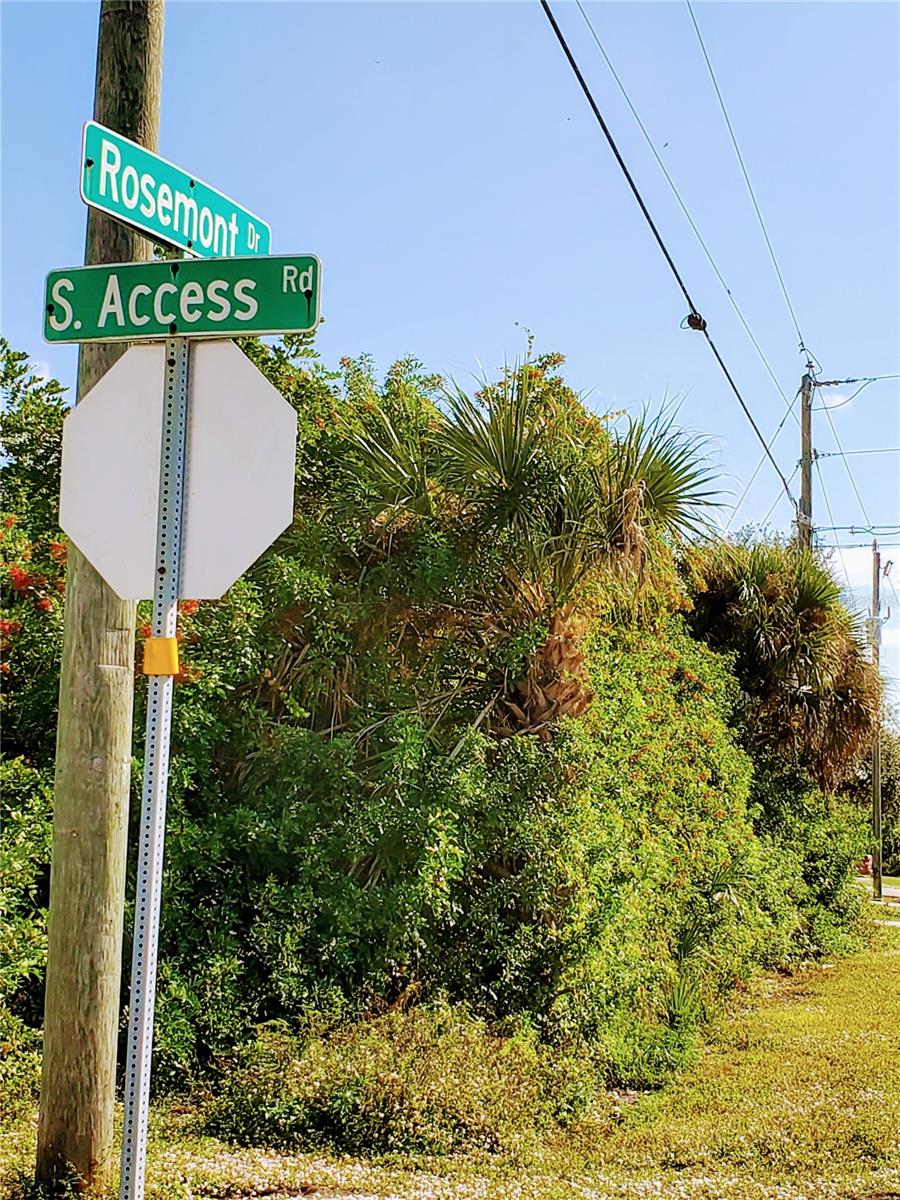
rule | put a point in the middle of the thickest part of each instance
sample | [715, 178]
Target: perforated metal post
[156, 769]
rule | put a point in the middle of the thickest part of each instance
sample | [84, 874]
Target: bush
[431, 1080]
[25, 831]
[813, 844]
[355, 806]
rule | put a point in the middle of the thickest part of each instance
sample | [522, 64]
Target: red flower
[145, 631]
[4, 667]
[9, 627]
[58, 551]
[20, 579]
[9, 521]
[45, 604]
[189, 607]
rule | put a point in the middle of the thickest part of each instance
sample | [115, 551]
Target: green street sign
[189, 297]
[130, 183]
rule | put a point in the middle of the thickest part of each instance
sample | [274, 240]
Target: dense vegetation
[495, 752]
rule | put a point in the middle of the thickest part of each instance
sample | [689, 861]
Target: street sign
[239, 470]
[131, 183]
[221, 298]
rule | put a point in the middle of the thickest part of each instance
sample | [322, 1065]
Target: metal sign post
[160, 664]
[222, 483]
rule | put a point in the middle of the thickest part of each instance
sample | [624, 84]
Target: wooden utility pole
[876, 749]
[804, 522]
[93, 750]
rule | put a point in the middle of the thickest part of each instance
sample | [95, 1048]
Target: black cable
[746, 175]
[684, 209]
[861, 379]
[831, 514]
[874, 530]
[756, 470]
[774, 502]
[694, 319]
[847, 467]
[844, 453]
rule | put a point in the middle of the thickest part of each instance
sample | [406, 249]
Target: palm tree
[798, 652]
[523, 463]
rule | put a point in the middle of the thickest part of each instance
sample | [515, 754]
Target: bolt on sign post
[178, 470]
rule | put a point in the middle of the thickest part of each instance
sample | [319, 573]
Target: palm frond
[394, 462]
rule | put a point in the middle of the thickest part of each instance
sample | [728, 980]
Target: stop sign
[239, 479]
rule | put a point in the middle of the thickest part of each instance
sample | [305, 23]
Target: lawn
[797, 1097]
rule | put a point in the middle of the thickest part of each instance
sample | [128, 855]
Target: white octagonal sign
[239, 484]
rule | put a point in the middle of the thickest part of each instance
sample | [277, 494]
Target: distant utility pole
[875, 627]
[804, 519]
[93, 749]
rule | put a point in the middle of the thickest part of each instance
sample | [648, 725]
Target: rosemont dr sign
[126, 181]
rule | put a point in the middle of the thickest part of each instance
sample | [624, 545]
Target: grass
[796, 1097]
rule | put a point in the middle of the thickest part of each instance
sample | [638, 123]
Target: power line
[831, 514]
[872, 529]
[838, 453]
[743, 496]
[684, 208]
[774, 502]
[746, 175]
[861, 379]
[856, 545]
[838, 382]
[694, 320]
[893, 588]
[850, 475]
[850, 398]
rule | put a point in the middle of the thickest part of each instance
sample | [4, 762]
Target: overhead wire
[746, 175]
[774, 502]
[840, 552]
[874, 530]
[694, 318]
[860, 379]
[877, 450]
[847, 468]
[789, 402]
[690, 220]
[820, 407]
[856, 545]
[758, 467]
[893, 588]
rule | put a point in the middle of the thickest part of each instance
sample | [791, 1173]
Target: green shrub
[25, 834]
[351, 823]
[430, 1080]
[813, 845]
[20, 1066]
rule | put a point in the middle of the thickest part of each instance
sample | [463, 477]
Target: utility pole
[804, 521]
[93, 749]
[876, 749]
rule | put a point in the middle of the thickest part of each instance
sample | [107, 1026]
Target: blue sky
[442, 162]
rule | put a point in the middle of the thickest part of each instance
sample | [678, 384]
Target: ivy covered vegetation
[498, 766]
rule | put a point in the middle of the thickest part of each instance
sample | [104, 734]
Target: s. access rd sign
[129, 182]
[221, 298]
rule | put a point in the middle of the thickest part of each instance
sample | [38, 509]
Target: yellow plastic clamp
[161, 656]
